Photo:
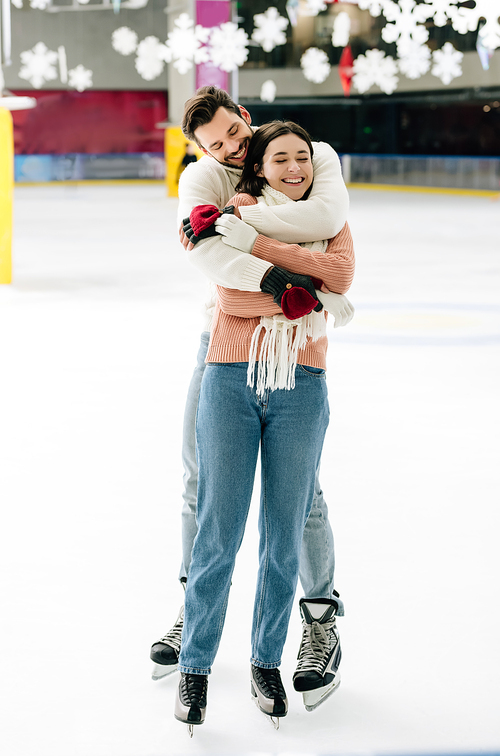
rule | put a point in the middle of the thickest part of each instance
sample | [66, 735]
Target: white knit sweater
[207, 182]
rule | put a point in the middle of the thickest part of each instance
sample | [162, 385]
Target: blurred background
[409, 90]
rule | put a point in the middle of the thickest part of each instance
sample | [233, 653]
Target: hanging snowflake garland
[124, 40]
[151, 57]
[38, 65]
[270, 29]
[374, 7]
[80, 78]
[416, 62]
[341, 29]
[228, 46]
[38, 4]
[467, 19]
[17, 4]
[315, 65]
[447, 63]
[268, 91]
[186, 44]
[313, 7]
[375, 68]
[405, 24]
[441, 11]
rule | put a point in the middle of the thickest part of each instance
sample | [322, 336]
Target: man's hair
[250, 183]
[202, 107]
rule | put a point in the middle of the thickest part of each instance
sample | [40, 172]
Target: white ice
[98, 338]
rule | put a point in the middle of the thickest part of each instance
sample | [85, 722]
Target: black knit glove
[295, 294]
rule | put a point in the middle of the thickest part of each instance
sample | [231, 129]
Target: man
[222, 130]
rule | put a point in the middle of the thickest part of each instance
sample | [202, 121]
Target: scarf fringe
[279, 350]
[283, 338]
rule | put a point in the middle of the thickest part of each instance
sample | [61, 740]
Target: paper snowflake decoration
[405, 27]
[440, 10]
[375, 68]
[38, 65]
[124, 40]
[268, 91]
[313, 7]
[228, 46]
[269, 29]
[38, 4]
[341, 29]
[416, 62]
[150, 60]
[447, 63]
[467, 19]
[80, 78]
[375, 7]
[315, 65]
[17, 3]
[185, 44]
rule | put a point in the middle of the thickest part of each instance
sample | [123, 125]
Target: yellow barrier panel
[176, 148]
[6, 193]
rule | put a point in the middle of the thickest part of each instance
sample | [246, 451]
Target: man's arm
[203, 184]
[321, 216]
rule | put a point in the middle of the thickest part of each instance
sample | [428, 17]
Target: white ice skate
[269, 694]
[191, 700]
[165, 652]
[317, 676]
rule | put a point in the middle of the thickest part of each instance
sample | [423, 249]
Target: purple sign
[212, 13]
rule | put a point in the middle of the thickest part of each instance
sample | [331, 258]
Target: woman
[264, 387]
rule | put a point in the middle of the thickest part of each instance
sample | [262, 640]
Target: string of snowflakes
[226, 46]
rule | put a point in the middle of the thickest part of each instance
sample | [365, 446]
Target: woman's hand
[337, 305]
[236, 233]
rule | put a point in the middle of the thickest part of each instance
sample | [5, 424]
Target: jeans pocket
[317, 372]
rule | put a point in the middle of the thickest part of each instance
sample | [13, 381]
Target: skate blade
[314, 698]
[163, 670]
[275, 721]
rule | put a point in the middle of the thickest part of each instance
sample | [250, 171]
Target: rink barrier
[6, 193]
[425, 189]
[423, 171]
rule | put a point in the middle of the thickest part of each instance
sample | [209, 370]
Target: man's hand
[295, 294]
[337, 305]
[201, 223]
[235, 232]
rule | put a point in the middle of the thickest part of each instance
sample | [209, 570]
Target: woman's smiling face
[287, 166]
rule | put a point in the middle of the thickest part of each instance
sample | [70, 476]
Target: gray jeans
[317, 557]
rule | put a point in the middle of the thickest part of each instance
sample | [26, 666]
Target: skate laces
[315, 646]
[269, 681]
[173, 637]
[194, 689]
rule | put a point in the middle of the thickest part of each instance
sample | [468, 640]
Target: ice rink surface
[98, 337]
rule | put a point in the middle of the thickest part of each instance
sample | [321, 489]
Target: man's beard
[232, 165]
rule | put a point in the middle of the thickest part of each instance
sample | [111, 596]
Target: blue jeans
[232, 424]
[317, 558]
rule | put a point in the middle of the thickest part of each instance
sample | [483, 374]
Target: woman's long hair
[250, 183]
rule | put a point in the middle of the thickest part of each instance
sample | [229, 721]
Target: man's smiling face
[226, 137]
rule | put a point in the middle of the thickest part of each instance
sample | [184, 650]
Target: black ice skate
[165, 652]
[269, 693]
[191, 701]
[316, 676]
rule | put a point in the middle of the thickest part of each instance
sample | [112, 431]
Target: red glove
[200, 223]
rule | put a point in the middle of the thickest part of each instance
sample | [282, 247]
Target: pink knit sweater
[237, 313]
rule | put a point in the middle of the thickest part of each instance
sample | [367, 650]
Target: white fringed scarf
[283, 338]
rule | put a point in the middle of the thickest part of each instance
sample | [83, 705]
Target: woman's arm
[335, 266]
[246, 304]
[321, 216]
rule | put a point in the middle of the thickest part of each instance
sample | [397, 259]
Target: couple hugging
[263, 215]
